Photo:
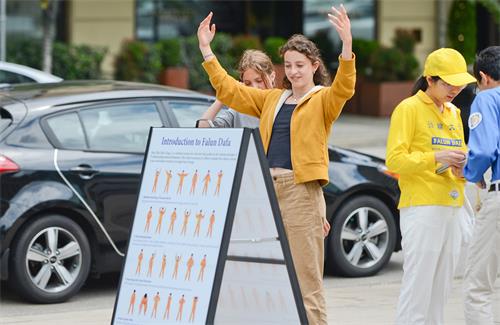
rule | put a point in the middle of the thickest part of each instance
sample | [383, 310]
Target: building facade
[109, 22]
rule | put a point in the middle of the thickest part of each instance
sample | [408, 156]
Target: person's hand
[458, 172]
[452, 158]
[339, 19]
[481, 184]
[326, 227]
[206, 33]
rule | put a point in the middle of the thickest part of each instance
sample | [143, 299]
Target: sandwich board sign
[207, 244]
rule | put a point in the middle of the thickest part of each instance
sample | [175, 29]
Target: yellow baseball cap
[449, 65]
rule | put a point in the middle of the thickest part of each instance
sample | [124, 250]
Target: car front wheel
[362, 239]
[51, 260]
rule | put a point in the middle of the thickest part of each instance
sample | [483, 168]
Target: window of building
[24, 19]
[157, 19]
[361, 14]
[161, 19]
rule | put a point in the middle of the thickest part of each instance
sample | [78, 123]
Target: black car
[70, 162]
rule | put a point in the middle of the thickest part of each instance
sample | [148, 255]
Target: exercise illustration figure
[181, 305]
[160, 220]
[193, 310]
[199, 217]
[139, 262]
[211, 224]
[173, 216]
[185, 222]
[156, 301]
[168, 175]
[149, 216]
[151, 264]
[143, 304]
[182, 175]
[219, 180]
[206, 182]
[155, 182]
[176, 266]
[163, 266]
[203, 264]
[189, 265]
[194, 181]
[132, 303]
[166, 315]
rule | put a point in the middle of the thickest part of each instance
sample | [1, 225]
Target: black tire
[381, 246]
[65, 270]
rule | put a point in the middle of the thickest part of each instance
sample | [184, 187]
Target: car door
[101, 150]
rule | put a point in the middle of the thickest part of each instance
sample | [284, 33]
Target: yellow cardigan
[311, 120]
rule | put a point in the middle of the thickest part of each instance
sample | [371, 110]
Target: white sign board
[207, 244]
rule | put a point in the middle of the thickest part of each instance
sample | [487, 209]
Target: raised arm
[342, 87]
[229, 91]
[339, 19]
[206, 34]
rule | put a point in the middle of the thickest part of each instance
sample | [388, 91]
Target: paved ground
[356, 301]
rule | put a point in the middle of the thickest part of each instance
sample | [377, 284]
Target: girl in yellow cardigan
[295, 123]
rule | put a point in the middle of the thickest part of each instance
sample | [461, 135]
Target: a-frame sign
[207, 244]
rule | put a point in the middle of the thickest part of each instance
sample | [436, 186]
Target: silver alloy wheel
[53, 259]
[364, 237]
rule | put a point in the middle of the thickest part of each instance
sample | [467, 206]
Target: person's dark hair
[488, 61]
[303, 45]
[421, 84]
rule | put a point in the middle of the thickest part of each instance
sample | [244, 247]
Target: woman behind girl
[256, 70]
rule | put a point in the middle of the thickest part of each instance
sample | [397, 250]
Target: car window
[123, 128]
[5, 119]
[68, 130]
[8, 77]
[187, 113]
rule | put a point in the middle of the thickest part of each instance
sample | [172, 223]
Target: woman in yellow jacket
[295, 124]
[425, 146]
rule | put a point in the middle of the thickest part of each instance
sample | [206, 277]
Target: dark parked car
[70, 164]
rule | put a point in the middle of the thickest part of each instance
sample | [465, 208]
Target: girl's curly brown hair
[303, 45]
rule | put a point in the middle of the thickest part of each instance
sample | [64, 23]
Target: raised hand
[206, 33]
[339, 19]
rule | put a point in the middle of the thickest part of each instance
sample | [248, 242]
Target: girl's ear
[272, 79]
[315, 66]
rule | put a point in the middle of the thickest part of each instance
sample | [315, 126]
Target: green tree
[462, 28]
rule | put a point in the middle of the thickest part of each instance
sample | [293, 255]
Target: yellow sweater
[311, 120]
[417, 130]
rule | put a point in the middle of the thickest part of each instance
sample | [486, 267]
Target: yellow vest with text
[417, 130]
